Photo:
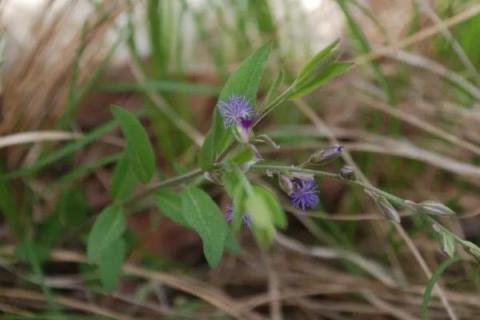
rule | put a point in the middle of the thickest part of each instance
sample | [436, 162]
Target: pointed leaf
[243, 82]
[448, 244]
[110, 264]
[170, 203]
[310, 84]
[108, 227]
[123, 179]
[262, 222]
[204, 216]
[318, 60]
[278, 215]
[139, 150]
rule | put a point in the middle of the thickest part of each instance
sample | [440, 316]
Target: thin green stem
[274, 104]
[335, 176]
[163, 184]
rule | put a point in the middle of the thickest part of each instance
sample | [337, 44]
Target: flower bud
[435, 208]
[286, 184]
[326, 155]
[473, 249]
[347, 172]
[388, 210]
[384, 206]
[242, 134]
[447, 244]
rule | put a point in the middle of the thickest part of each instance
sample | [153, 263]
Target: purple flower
[246, 218]
[236, 111]
[305, 193]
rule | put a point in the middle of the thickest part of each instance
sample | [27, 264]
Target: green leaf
[123, 179]
[427, 294]
[230, 181]
[231, 242]
[260, 9]
[278, 215]
[110, 264]
[139, 150]
[242, 154]
[312, 83]
[448, 243]
[204, 216]
[170, 203]
[243, 82]
[107, 229]
[318, 60]
[62, 152]
[262, 222]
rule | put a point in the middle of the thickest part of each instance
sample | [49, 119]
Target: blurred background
[408, 112]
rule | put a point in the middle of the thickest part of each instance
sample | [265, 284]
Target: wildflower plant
[229, 157]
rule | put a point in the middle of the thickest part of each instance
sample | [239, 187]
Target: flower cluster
[304, 193]
[237, 112]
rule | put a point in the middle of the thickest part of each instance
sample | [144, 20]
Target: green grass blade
[62, 152]
[364, 48]
[427, 294]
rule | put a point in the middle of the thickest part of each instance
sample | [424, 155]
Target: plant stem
[335, 176]
[162, 184]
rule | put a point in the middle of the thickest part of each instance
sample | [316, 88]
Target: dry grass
[301, 277]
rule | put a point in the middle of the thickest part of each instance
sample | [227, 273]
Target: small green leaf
[204, 216]
[231, 242]
[107, 229]
[312, 83]
[61, 153]
[276, 211]
[448, 243]
[123, 179]
[110, 264]
[230, 181]
[318, 60]
[262, 12]
[139, 150]
[243, 82]
[262, 223]
[435, 208]
[242, 154]
[170, 203]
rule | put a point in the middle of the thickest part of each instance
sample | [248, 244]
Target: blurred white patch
[311, 4]
[304, 26]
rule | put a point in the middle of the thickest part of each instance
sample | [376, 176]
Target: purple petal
[235, 109]
[305, 194]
